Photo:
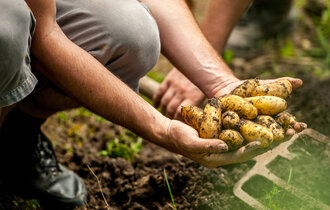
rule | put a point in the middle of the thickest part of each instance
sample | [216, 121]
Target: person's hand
[176, 91]
[212, 153]
[296, 83]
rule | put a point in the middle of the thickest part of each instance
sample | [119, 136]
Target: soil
[141, 183]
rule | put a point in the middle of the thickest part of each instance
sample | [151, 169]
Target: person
[82, 54]
[227, 25]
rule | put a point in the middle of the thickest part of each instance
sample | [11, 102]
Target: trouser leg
[122, 35]
[16, 29]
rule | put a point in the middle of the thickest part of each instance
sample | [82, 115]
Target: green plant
[270, 198]
[127, 146]
[274, 196]
[169, 189]
[62, 116]
[288, 49]
[26, 204]
[228, 56]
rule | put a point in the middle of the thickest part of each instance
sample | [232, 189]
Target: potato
[273, 126]
[192, 115]
[286, 120]
[269, 105]
[254, 132]
[280, 88]
[237, 104]
[246, 88]
[232, 138]
[210, 127]
[230, 120]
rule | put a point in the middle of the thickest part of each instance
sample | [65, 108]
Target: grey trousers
[121, 34]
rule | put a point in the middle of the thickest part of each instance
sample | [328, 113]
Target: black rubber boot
[30, 168]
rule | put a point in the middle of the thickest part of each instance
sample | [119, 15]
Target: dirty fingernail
[252, 146]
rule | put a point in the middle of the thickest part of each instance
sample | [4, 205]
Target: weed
[287, 50]
[228, 56]
[127, 146]
[62, 116]
[274, 196]
[26, 204]
[84, 112]
[270, 198]
[169, 189]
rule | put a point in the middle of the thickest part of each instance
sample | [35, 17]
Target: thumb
[208, 146]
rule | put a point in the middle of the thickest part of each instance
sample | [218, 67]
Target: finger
[295, 82]
[245, 153]
[159, 94]
[250, 147]
[290, 132]
[300, 126]
[173, 105]
[167, 97]
[177, 114]
[207, 146]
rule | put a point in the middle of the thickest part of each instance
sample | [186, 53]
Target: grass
[169, 189]
[270, 197]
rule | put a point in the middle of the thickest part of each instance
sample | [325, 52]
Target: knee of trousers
[17, 25]
[132, 37]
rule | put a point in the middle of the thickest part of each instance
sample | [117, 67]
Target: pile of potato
[252, 112]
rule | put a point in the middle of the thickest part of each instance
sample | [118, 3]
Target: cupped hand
[208, 152]
[212, 153]
[176, 91]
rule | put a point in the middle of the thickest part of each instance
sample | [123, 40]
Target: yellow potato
[254, 132]
[232, 138]
[272, 125]
[192, 115]
[210, 127]
[246, 88]
[286, 120]
[237, 104]
[269, 105]
[280, 88]
[230, 120]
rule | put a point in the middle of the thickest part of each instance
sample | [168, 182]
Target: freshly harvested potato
[269, 105]
[272, 125]
[237, 104]
[254, 132]
[210, 127]
[280, 88]
[230, 120]
[246, 88]
[192, 115]
[286, 120]
[232, 138]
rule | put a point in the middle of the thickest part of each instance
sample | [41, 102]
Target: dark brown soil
[141, 184]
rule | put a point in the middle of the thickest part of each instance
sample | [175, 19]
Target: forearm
[221, 17]
[87, 81]
[187, 48]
